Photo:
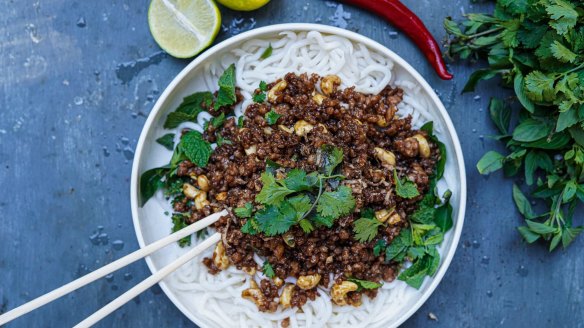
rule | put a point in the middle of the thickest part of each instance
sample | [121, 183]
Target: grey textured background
[77, 80]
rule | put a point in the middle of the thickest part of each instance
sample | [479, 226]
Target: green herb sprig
[537, 48]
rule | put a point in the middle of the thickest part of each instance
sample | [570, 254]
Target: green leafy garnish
[196, 148]
[226, 94]
[365, 284]
[268, 270]
[167, 141]
[150, 182]
[178, 223]
[405, 189]
[331, 157]
[537, 48]
[366, 227]
[218, 121]
[273, 192]
[274, 220]
[336, 203]
[244, 212]
[263, 86]
[189, 109]
[250, 227]
[260, 97]
[272, 117]
[268, 52]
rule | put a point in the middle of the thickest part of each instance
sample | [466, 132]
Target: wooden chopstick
[148, 282]
[114, 266]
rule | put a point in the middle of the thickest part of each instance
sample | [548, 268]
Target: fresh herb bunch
[537, 48]
[299, 198]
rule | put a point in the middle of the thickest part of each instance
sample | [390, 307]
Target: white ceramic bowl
[150, 226]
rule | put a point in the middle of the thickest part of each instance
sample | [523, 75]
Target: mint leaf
[150, 182]
[407, 189]
[189, 109]
[272, 117]
[399, 246]
[218, 121]
[244, 212]
[196, 148]
[226, 94]
[380, 246]
[336, 203]
[365, 284]
[167, 141]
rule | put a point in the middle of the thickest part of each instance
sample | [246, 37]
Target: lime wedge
[183, 28]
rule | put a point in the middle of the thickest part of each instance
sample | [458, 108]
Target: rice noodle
[217, 298]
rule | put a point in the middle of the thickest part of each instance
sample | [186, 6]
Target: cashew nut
[339, 292]
[190, 191]
[251, 150]
[268, 130]
[220, 259]
[221, 196]
[329, 84]
[423, 146]
[382, 215]
[275, 91]
[395, 218]
[201, 200]
[382, 122]
[286, 296]
[302, 128]
[386, 157]
[318, 98]
[285, 128]
[278, 281]
[254, 294]
[203, 183]
[250, 271]
[308, 282]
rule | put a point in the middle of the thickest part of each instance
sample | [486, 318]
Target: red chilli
[404, 19]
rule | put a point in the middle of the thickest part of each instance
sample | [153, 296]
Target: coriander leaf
[273, 220]
[562, 53]
[244, 212]
[298, 180]
[320, 220]
[563, 14]
[150, 182]
[259, 97]
[407, 189]
[226, 94]
[490, 162]
[336, 203]
[509, 34]
[365, 228]
[268, 270]
[365, 284]
[218, 121]
[167, 141]
[272, 192]
[306, 226]
[539, 86]
[301, 204]
[250, 227]
[267, 53]
[332, 157]
[240, 122]
[272, 117]
[263, 86]
[196, 148]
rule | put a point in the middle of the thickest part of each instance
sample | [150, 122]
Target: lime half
[183, 28]
[243, 5]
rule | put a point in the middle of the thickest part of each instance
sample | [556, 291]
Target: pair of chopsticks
[116, 265]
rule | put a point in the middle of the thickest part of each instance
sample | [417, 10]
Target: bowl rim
[303, 27]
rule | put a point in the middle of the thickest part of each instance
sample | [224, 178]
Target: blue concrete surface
[77, 80]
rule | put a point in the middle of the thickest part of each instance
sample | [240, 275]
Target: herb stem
[496, 29]
[316, 199]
